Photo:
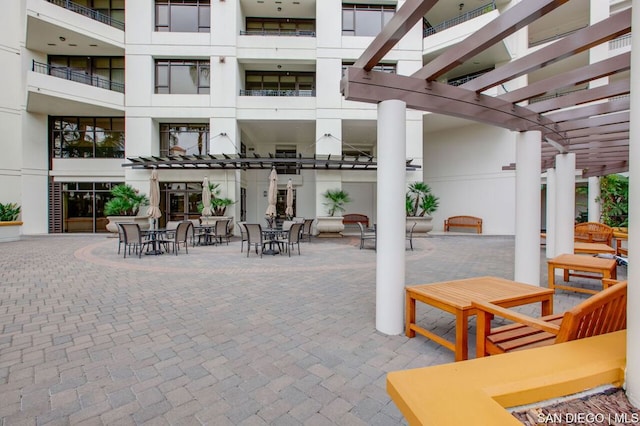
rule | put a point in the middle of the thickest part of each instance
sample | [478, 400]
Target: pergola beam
[509, 21]
[580, 41]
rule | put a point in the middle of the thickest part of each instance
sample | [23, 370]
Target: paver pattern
[214, 337]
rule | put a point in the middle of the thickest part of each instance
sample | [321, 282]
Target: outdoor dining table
[270, 236]
[205, 231]
[156, 238]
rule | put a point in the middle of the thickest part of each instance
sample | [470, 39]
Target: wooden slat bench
[605, 312]
[463, 222]
[354, 218]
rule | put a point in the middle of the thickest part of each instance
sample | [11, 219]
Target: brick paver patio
[214, 337]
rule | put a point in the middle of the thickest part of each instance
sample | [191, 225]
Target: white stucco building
[90, 83]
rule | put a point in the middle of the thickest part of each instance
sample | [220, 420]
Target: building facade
[90, 84]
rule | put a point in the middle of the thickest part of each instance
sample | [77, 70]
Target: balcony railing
[467, 16]
[553, 38]
[301, 93]
[620, 42]
[90, 13]
[77, 76]
[458, 81]
[275, 32]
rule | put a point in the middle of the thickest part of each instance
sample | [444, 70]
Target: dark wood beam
[374, 87]
[574, 77]
[509, 21]
[580, 41]
[610, 90]
[409, 14]
[613, 105]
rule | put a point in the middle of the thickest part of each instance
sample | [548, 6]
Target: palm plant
[419, 200]
[125, 201]
[9, 212]
[336, 200]
[218, 204]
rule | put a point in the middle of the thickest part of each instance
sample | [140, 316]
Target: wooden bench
[593, 232]
[354, 218]
[604, 312]
[463, 222]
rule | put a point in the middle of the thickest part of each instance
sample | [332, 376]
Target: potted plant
[335, 202]
[420, 204]
[9, 223]
[124, 206]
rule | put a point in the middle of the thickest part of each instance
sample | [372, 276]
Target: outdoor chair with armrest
[307, 229]
[254, 237]
[181, 235]
[221, 230]
[604, 312]
[294, 234]
[366, 234]
[243, 235]
[133, 238]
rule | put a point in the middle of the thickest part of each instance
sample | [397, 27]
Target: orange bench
[463, 222]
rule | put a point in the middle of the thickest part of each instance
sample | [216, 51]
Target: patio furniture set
[134, 240]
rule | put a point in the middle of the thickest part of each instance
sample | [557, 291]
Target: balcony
[467, 16]
[78, 77]
[90, 13]
[298, 93]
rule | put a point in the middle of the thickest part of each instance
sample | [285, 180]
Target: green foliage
[614, 200]
[125, 201]
[9, 212]
[419, 200]
[218, 204]
[336, 200]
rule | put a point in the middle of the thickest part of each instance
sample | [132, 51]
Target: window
[182, 77]
[279, 83]
[270, 26]
[286, 152]
[83, 206]
[106, 72]
[183, 16]
[184, 139]
[365, 20]
[87, 137]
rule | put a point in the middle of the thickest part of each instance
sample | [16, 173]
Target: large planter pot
[112, 225]
[10, 231]
[423, 224]
[329, 226]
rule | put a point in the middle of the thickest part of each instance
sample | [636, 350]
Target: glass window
[83, 206]
[184, 139]
[365, 20]
[87, 137]
[182, 77]
[188, 16]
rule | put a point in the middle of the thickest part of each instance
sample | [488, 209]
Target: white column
[527, 243]
[390, 262]
[551, 213]
[593, 206]
[633, 271]
[565, 202]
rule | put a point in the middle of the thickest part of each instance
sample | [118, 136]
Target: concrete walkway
[214, 337]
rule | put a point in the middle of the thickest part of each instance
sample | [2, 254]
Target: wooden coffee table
[605, 268]
[592, 248]
[455, 297]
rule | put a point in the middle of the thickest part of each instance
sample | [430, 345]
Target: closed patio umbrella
[206, 198]
[154, 198]
[289, 210]
[272, 194]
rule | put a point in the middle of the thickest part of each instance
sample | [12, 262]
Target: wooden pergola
[592, 123]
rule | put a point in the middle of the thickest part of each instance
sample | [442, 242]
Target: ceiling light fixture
[62, 38]
[461, 5]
